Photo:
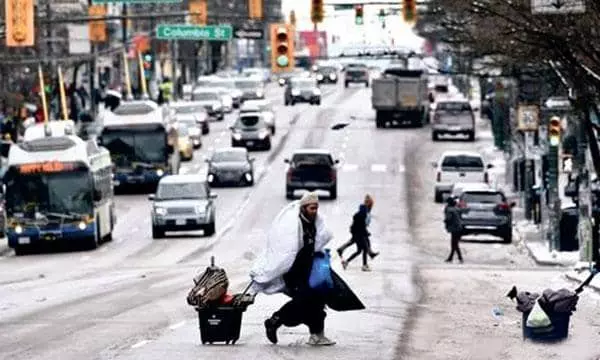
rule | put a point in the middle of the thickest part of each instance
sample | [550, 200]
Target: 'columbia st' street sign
[194, 32]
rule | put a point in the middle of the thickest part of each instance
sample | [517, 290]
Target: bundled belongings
[219, 313]
[546, 316]
[209, 288]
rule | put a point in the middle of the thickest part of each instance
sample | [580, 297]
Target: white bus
[58, 188]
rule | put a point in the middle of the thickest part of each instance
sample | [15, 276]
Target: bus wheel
[92, 241]
[21, 250]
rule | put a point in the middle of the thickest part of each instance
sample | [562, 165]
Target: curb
[532, 254]
[575, 279]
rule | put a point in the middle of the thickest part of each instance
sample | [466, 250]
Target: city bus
[142, 142]
[58, 189]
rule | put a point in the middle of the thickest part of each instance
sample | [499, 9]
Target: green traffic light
[283, 61]
[147, 57]
[358, 20]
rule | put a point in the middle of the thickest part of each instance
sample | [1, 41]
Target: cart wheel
[233, 342]
[204, 343]
[210, 342]
[227, 342]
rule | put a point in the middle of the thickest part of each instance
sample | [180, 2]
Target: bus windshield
[67, 193]
[127, 146]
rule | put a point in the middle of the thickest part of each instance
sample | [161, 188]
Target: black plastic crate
[220, 324]
[558, 330]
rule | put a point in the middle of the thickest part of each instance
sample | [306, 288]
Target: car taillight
[486, 178]
[289, 174]
[438, 177]
[503, 207]
[462, 204]
[333, 175]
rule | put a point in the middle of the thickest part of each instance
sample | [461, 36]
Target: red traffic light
[282, 34]
[359, 9]
[555, 127]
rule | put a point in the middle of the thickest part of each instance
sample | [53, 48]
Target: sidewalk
[4, 249]
[578, 274]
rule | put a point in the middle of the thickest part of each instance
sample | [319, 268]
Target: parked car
[453, 116]
[230, 166]
[302, 90]
[183, 203]
[486, 212]
[251, 131]
[264, 107]
[211, 100]
[311, 169]
[458, 166]
[192, 110]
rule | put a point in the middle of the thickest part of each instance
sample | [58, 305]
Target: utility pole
[124, 38]
[554, 203]
[92, 76]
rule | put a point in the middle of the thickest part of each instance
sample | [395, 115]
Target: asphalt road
[126, 300]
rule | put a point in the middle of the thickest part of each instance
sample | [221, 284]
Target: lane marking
[401, 168]
[140, 344]
[379, 168]
[344, 145]
[350, 167]
[177, 325]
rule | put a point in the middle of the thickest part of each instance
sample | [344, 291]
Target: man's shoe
[344, 264]
[340, 253]
[320, 340]
[366, 268]
[271, 326]
[448, 260]
[374, 254]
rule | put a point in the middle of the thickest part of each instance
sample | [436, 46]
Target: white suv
[459, 166]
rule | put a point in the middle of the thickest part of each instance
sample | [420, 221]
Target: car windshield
[188, 109]
[327, 69]
[482, 197]
[186, 124]
[254, 106]
[127, 146]
[249, 120]
[463, 162]
[175, 191]
[312, 159]
[303, 84]
[248, 84]
[62, 193]
[225, 156]
[228, 84]
[205, 96]
[134, 109]
[453, 107]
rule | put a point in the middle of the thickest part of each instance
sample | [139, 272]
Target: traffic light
[148, 65]
[282, 47]
[409, 10]
[358, 14]
[293, 18]
[198, 9]
[97, 28]
[316, 11]
[255, 9]
[554, 130]
[19, 25]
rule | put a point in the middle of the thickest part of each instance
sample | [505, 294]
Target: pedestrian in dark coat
[368, 202]
[453, 226]
[306, 306]
[360, 236]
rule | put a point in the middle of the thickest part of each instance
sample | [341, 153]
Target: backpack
[208, 287]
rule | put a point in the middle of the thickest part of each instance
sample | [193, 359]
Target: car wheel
[434, 136]
[268, 144]
[292, 102]
[346, 84]
[439, 197]
[471, 136]
[209, 229]
[333, 192]
[366, 84]
[286, 102]
[205, 131]
[93, 241]
[157, 233]
[507, 236]
[318, 102]
[273, 130]
[21, 250]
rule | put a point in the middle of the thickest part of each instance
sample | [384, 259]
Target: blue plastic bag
[320, 275]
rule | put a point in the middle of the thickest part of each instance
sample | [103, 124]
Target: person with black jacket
[306, 306]
[360, 236]
[368, 202]
[453, 226]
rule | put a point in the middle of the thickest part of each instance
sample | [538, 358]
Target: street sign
[245, 33]
[557, 6]
[528, 117]
[135, 1]
[194, 32]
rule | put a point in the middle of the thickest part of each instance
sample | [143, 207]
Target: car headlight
[332, 76]
[319, 77]
[210, 178]
[281, 82]
[160, 211]
[317, 92]
[248, 176]
[160, 172]
[295, 92]
[237, 136]
[263, 133]
[260, 93]
[82, 225]
[18, 229]
[200, 210]
[228, 100]
[217, 107]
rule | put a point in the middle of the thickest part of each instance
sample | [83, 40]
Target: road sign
[135, 1]
[194, 32]
[528, 117]
[245, 33]
[557, 6]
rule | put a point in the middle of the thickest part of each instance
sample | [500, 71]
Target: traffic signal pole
[554, 203]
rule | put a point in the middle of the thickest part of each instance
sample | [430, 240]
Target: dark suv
[311, 169]
[486, 212]
[356, 74]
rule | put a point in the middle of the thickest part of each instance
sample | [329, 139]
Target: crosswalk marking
[379, 168]
[401, 168]
[350, 167]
